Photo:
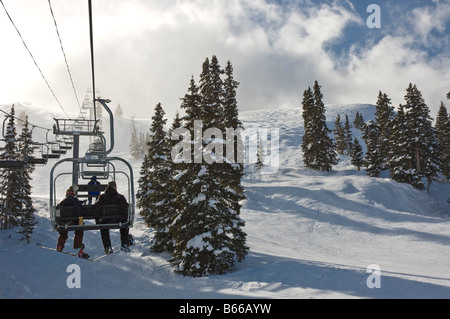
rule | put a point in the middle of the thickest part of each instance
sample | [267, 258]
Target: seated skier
[72, 201]
[111, 196]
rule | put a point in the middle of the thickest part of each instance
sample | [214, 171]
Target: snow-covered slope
[311, 235]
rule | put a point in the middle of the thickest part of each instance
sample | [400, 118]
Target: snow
[311, 235]
[199, 242]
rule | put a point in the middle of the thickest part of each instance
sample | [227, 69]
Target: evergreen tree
[318, 148]
[233, 164]
[22, 119]
[358, 121]
[142, 145]
[232, 122]
[442, 128]
[308, 124]
[357, 154]
[229, 101]
[157, 204]
[373, 159]
[27, 218]
[383, 117]
[339, 136]
[348, 136]
[118, 112]
[423, 137]
[188, 184]
[191, 105]
[134, 143]
[400, 154]
[208, 230]
[259, 155]
[10, 203]
[211, 93]
[175, 166]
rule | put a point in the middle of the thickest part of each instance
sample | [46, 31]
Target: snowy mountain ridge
[311, 235]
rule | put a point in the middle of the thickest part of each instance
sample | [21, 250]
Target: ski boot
[108, 250]
[130, 240]
[82, 254]
[125, 248]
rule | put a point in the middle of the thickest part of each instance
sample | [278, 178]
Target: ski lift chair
[66, 218]
[47, 154]
[56, 149]
[68, 127]
[37, 160]
[12, 164]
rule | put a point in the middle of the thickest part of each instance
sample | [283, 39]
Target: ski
[100, 257]
[66, 252]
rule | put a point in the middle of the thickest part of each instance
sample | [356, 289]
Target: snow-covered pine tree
[21, 119]
[211, 93]
[233, 164]
[325, 153]
[318, 145]
[188, 186]
[191, 106]
[400, 153]
[432, 163]
[383, 117]
[422, 136]
[357, 154]
[308, 124]
[232, 122]
[175, 166]
[118, 112]
[358, 122]
[134, 143]
[259, 155]
[158, 208]
[27, 217]
[144, 140]
[176, 124]
[339, 135]
[442, 128]
[348, 136]
[143, 188]
[229, 99]
[208, 229]
[373, 159]
[10, 203]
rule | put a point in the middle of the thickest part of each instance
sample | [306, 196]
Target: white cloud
[428, 18]
[147, 50]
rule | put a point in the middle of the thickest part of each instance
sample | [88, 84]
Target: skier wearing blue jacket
[95, 194]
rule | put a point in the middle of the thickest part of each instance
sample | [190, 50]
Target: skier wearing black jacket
[111, 196]
[72, 201]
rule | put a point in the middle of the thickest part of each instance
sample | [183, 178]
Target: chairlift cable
[32, 57]
[29, 123]
[64, 54]
[91, 36]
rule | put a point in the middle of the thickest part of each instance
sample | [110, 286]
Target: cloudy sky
[147, 50]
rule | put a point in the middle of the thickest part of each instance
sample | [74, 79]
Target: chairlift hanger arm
[104, 102]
